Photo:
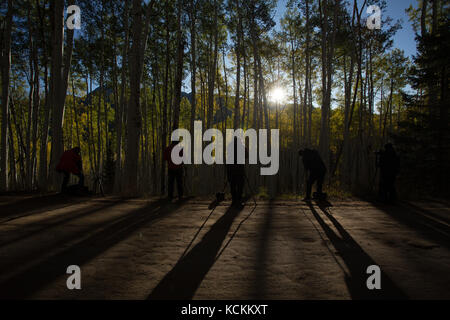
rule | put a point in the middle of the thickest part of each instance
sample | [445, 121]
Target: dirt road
[152, 249]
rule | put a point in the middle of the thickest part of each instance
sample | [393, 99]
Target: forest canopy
[137, 70]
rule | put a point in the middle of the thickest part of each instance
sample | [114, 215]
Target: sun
[277, 95]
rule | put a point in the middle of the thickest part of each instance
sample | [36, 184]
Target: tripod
[98, 183]
[220, 195]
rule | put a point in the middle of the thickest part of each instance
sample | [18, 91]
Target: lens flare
[277, 95]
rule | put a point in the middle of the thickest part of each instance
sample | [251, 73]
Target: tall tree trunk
[42, 177]
[255, 91]
[31, 96]
[245, 108]
[238, 67]
[12, 181]
[134, 121]
[36, 106]
[295, 126]
[193, 30]
[5, 69]
[165, 94]
[306, 127]
[179, 69]
[212, 71]
[60, 66]
[328, 38]
[120, 109]
[423, 27]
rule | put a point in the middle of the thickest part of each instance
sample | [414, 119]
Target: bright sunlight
[277, 95]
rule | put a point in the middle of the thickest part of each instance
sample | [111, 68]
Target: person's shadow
[356, 260]
[183, 280]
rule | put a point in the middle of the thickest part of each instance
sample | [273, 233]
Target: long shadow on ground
[356, 260]
[183, 280]
[35, 205]
[59, 220]
[34, 251]
[427, 223]
[260, 282]
[30, 280]
[427, 212]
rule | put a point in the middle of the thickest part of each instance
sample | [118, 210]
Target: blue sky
[403, 39]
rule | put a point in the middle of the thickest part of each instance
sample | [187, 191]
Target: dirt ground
[152, 249]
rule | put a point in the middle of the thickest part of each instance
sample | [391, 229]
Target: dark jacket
[389, 163]
[313, 162]
[236, 169]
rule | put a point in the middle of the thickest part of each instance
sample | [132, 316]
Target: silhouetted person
[389, 167]
[315, 168]
[175, 171]
[71, 163]
[236, 173]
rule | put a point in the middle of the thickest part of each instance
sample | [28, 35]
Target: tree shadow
[356, 260]
[36, 205]
[183, 280]
[426, 223]
[30, 280]
[34, 250]
[60, 220]
[262, 254]
[442, 202]
[426, 211]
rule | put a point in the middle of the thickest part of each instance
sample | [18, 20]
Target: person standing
[389, 165]
[315, 170]
[236, 172]
[175, 172]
